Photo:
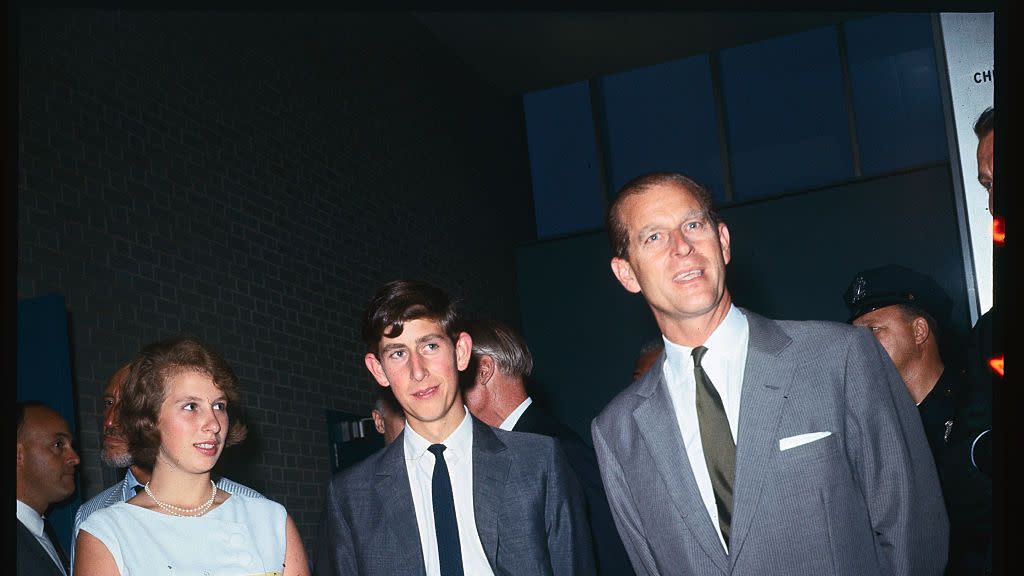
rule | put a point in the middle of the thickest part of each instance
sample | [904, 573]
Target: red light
[998, 230]
[997, 365]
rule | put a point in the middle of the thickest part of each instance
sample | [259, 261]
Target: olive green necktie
[716, 438]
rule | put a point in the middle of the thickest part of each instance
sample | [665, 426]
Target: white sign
[967, 40]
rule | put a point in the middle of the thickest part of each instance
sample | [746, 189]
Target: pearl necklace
[176, 511]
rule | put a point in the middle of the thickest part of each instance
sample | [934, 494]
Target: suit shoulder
[111, 495]
[817, 328]
[516, 441]
[623, 403]
[821, 334]
[828, 345]
[357, 476]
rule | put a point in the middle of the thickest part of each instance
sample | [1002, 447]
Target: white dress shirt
[724, 364]
[34, 522]
[419, 463]
[512, 419]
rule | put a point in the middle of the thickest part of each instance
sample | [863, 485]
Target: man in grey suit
[451, 495]
[495, 392]
[754, 446]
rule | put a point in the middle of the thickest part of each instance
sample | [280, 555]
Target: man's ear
[378, 420]
[373, 365]
[624, 273]
[723, 240]
[21, 455]
[463, 350]
[484, 371]
[921, 330]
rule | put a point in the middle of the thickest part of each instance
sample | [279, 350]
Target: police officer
[902, 308]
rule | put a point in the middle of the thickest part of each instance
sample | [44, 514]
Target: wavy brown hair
[145, 389]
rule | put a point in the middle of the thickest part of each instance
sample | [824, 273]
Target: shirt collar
[719, 341]
[512, 419]
[131, 481]
[30, 518]
[460, 441]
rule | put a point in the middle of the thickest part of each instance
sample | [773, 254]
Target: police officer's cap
[893, 284]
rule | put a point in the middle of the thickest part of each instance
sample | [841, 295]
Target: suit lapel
[490, 474]
[392, 486]
[657, 423]
[766, 379]
[40, 558]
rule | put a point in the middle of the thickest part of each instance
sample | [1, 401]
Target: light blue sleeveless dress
[241, 537]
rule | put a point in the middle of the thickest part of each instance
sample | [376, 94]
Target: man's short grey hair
[499, 341]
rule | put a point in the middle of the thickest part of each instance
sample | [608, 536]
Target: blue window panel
[567, 193]
[662, 118]
[786, 114]
[895, 92]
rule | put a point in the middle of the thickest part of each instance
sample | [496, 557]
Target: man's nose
[110, 417]
[680, 243]
[419, 369]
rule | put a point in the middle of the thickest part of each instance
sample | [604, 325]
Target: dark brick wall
[252, 178]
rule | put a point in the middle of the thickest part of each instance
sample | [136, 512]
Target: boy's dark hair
[401, 301]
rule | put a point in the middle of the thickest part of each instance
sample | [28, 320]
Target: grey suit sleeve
[621, 504]
[335, 552]
[568, 533]
[893, 463]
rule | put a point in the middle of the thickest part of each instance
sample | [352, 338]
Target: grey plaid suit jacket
[526, 501]
[862, 501]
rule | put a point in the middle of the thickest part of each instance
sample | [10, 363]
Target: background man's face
[46, 459]
[115, 447]
[985, 174]
[388, 423]
[644, 362]
[894, 330]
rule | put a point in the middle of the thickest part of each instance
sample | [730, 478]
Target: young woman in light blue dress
[174, 411]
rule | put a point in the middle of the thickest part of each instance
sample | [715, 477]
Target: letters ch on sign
[985, 76]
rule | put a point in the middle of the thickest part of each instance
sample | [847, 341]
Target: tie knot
[698, 353]
[437, 449]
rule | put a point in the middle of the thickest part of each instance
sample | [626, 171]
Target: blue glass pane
[567, 193]
[662, 118]
[895, 92]
[786, 114]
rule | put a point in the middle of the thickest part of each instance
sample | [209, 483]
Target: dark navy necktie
[716, 439]
[52, 535]
[446, 526]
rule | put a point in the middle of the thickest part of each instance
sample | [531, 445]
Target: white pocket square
[801, 439]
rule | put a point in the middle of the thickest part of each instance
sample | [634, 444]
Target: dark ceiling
[524, 51]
